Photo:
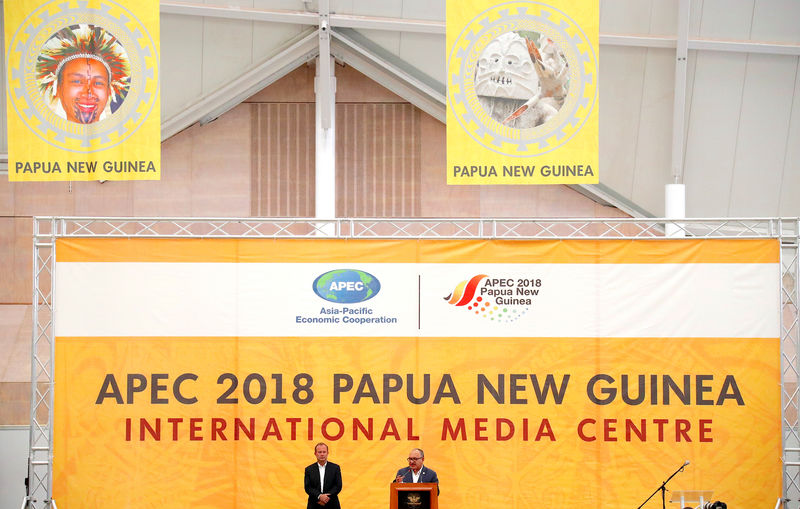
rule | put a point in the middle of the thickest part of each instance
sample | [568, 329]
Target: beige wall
[258, 160]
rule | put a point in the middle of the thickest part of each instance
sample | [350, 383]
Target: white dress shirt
[321, 477]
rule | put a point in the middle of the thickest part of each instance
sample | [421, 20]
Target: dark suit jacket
[425, 475]
[333, 485]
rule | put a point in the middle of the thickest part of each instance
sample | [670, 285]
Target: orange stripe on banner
[418, 251]
[457, 339]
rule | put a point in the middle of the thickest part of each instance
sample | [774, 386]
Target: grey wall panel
[776, 21]
[790, 183]
[14, 465]
[286, 5]
[691, 70]
[716, 98]
[269, 36]
[724, 19]
[424, 9]
[390, 41]
[654, 147]
[227, 51]
[341, 6]
[762, 136]
[181, 62]
[427, 52]
[640, 17]
[664, 17]
[712, 132]
[386, 39]
[695, 17]
[625, 16]
[790, 188]
[621, 77]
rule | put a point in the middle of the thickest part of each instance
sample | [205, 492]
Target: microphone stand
[663, 489]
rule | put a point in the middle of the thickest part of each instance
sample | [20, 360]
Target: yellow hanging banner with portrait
[83, 90]
[522, 92]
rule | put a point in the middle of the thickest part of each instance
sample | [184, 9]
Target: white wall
[13, 465]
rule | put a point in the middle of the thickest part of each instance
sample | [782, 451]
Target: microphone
[402, 473]
[686, 463]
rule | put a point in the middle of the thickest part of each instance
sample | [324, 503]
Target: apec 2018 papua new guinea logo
[522, 78]
[500, 299]
[82, 78]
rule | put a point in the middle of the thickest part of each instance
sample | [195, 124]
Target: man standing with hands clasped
[323, 480]
[415, 471]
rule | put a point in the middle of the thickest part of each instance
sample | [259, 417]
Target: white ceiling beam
[745, 46]
[302, 17]
[640, 41]
[392, 24]
[438, 27]
[243, 13]
[646, 41]
[214, 104]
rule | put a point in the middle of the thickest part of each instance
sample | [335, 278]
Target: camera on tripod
[714, 505]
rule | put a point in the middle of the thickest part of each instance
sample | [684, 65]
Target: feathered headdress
[82, 41]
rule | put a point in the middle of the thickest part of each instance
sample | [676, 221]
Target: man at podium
[416, 471]
[323, 480]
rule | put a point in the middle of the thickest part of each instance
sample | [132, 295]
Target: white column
[326, 141]
[679, 99]
[675, 193]
[325, 90]
[675, 208]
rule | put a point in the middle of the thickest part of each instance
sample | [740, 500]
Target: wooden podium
[408, 495]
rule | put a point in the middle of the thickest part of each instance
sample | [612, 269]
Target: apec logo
[346, 286]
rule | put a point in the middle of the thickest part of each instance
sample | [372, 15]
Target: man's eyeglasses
[414, 459]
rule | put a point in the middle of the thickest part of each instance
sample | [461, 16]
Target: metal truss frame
[46, 230]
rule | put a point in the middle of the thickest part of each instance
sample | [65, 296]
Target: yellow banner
[522, 87]
[200, 373]
[83, 90]
[506, 423]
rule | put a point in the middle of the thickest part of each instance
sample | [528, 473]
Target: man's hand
[399, 478]
[323, 499]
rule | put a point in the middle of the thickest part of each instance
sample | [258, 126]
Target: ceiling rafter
[438, 27]
[302, 17]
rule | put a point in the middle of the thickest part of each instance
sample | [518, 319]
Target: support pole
[675, 208]
[325, 89]
[675, 193]
[679, 103]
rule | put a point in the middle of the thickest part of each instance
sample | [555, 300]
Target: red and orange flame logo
[465, 291]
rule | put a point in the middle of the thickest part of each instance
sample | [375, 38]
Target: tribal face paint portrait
[83, 73]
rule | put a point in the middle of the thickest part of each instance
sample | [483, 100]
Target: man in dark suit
[323, 481]
[416, 471]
